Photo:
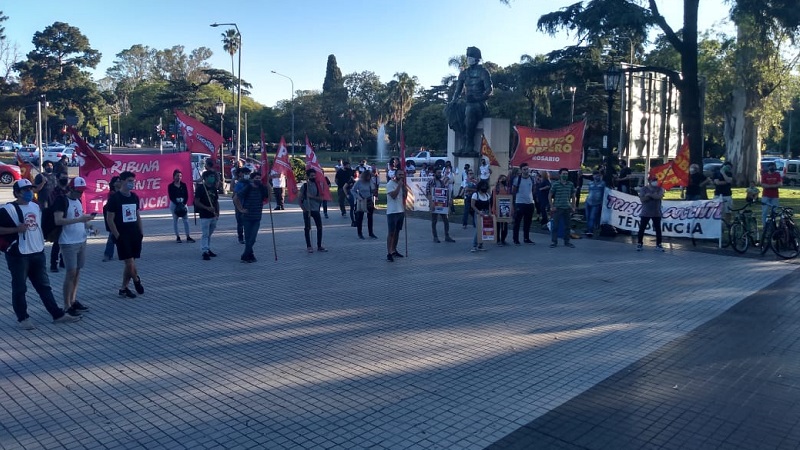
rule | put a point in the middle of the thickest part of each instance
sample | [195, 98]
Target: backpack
[301, 198]
[7, 241]
[50, 230]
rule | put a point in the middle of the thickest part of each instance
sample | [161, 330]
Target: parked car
[100, 146]
[28, 153]
[779, 163]
[9, 173]
[55, 146]
[9, 146]
[133, 145]
[709, 169]
[167, 144]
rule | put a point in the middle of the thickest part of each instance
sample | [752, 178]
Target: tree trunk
[689, 86]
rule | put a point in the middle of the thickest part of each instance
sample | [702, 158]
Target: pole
[246, 141]
[222, 156]
[572, 108]
[39, 134]
[609, 125]
[19, 125]
[160, 139]
[239, 100]
[291, 103]
[789, 137]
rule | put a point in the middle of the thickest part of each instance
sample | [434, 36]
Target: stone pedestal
[498, 134]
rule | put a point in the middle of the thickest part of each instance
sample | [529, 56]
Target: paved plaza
[515, 347]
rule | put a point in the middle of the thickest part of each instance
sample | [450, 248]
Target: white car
[9, 146]
[167, 144]
[133, 145]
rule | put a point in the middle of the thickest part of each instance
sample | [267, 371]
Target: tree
[334, 102]
[231, 41]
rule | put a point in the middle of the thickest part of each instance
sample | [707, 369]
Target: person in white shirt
[25, 257]
[395, 213]
[68, 214]
[484, 171]
[278, 188]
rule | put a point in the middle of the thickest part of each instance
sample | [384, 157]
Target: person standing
[624, 177]
[502, 188]
[126, 226]
[325, 202]
[68, 214]
[206, 202]
[469, 188]
[438, 183]
[594, 202]
[250, 203]
[25, 258]
[57, 193]
[365, 205]
[310, 201]
[178, 195]
[542, 193]
[395, 213]
[485, 172]
[562, 199]
[696, 188]
[62, 167]
[481, 202]
[449, 174]
[278, 181]
[44, 184]
[111, 242]
[242, 181]
[651, 196]
[522, 190]
[771, 181]
[343, 176]
[723, 182]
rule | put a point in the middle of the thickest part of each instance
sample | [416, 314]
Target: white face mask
[471, 61]
[654, 183]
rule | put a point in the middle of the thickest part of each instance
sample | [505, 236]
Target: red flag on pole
[88, 158]
[312, 163]
[282, 166]
[25, 169]
[264, 161]
[486, 151]
[199, 138]
[675, 172]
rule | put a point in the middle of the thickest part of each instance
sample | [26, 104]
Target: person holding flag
[282, 166]
[310, 201]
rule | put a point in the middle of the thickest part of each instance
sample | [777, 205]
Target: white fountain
[382, 156]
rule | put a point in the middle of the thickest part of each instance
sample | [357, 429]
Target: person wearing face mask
[178, 195]
[125, 223]
[770, 182]
[594, 202]
[206, 203]
[111, 243]
[250, 203]
[723, 181]
[25, 257]
[502, 188]
[696, 188]
[69, 215]
[522, 189]
[310, 201]
[56, 195]
[481, 203]
[44, 184]
[363, 190]
[650, 195]
[242, 181]
[438, 183]
[562, 199]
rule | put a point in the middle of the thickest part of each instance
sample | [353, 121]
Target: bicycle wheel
[785, 243]
[726, 234]
[766, 238]
[740, 238]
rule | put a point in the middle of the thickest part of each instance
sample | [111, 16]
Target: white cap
[22, 183]
[78, 183]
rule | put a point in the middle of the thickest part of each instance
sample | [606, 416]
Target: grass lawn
[789, 196]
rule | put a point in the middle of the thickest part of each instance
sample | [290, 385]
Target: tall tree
[231, 41]
[334, 102]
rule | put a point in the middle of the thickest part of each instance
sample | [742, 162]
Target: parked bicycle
[744, 229]
[785, 240]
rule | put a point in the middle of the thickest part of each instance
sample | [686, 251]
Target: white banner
[699, 219]
[416, 200]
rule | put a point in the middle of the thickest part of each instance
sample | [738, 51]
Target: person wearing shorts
[395, 213]
[126, 226]
[69, 215]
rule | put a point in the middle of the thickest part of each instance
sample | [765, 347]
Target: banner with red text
[550, 149]
[153, 176]
[699, 219]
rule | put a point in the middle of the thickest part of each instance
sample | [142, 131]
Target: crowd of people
[54, 194]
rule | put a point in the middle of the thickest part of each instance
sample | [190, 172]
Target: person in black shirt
[44, 184]
[696, 188]
[178, 196]
[623, 179]
[125, 224]
[249, 201]
[206, 203]
[343, 176]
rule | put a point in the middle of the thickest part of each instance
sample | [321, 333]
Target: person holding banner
[395, 213]
[436, 191]
[651, 196]
[206, 201]
[481, 203]
[502, 188]
[562, 199]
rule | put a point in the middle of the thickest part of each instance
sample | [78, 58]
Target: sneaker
[178, 239]
[106, 259]
[326, 216]
[206, 257]
[137, 284]
[473, 250]
[126, 293]
[660, 248]
[72, 312]
[437, 241]
[252, 259]
[517, 243]
[501, 244]
[66, 318]
[361, 236]
[449, 239]
[26, 324]
[569, 244]
[241, 241]
[80, 307]
[397, 254]
[528, 241]
[389, 258]
[638, 247]
[54, 269]
[189, 239]
[310, 250]
[589, 234]
[480, 248]
[373, 236]
[322, 249]
[212, 254]
[553, 245]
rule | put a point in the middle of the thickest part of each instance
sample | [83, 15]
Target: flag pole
[265, 160]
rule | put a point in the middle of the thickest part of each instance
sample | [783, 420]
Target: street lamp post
[572, 89]
[39, 134]
[239, 90]
[220, 108]
[611, 79]
[291, 103]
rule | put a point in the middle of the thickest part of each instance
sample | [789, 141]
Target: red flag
[199, 138]
[88, 158]
[265, 173]
[488, 153]
[25, 169]
[312, 163]
[675, 172]
[281, 165]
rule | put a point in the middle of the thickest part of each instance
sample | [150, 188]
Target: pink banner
[153, 175]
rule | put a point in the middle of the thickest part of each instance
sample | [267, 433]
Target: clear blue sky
[295, 37]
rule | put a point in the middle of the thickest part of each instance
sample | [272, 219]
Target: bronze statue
[463, 117]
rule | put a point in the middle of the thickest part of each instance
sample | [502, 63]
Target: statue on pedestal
[475, 84]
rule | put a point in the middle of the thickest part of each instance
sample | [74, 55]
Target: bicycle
[769, 228]
[785, 240]
[744, 229]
